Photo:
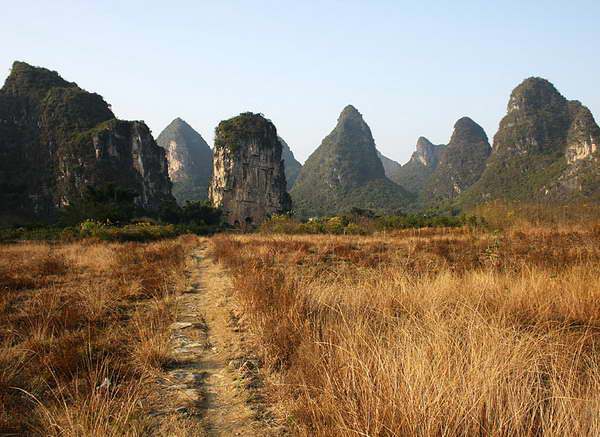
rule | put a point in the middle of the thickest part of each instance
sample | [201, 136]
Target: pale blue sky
[411, 68]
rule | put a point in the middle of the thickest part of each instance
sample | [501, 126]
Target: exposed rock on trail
[214, 382]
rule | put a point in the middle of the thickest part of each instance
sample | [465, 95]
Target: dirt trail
[214, 381]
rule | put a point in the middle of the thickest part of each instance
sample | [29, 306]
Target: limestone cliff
[248, 180]
[189, 158]
[57, 141]
[546, 149]
[415, 174]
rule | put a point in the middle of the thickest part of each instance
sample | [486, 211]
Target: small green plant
[359, 222]
[92, 228]
[238, 130]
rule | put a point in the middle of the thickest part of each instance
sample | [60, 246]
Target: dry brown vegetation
[84, 333]
[501, 214]
[428, 332]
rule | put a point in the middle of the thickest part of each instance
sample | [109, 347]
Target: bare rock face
[58, 141]
[415, 174]
[125, 155]
[248, 180]
[427, 154]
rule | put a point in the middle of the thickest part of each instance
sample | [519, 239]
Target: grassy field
[84, 334]
[427, 332]
[419, 332]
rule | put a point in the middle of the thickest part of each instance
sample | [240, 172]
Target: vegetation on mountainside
[461, 163]
[69, 110]
[31, 82]
[238, 131]
[102, 203]
[528, 161]
[345, 172]
[380, 195]
[51, 132]
[415, 174]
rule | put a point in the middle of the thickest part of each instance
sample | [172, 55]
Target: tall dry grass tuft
[443, 333]
[83, 334]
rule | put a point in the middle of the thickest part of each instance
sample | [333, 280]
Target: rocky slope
[460, 165]
[292, 166]
[189, 158]
[345, 172]
[389, 165]
[546, 148]
[248, 180]
[57, 141]
[415, 174]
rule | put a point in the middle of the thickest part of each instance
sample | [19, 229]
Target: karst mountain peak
[345, 170]
[62, 146]
[189, 158]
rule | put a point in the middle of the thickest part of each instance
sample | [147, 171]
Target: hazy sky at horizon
[411, 68]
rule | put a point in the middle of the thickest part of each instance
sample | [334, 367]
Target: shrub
[364, 222]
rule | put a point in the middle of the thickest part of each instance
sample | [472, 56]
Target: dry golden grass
[83, 333]
[501, 214]
[430, 332]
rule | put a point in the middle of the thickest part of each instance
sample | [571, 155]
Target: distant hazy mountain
[345, 172]
[292, 166]
[389, 165]
[415, 174]
[190, 160]
[546, 148]
[460, 165]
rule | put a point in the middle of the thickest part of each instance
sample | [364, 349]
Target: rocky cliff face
[57, 140]
[345, 172]
[292, 166]
[546, 148]
[189, 158]
[415, 174]
[461, 163]
[248, 180]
